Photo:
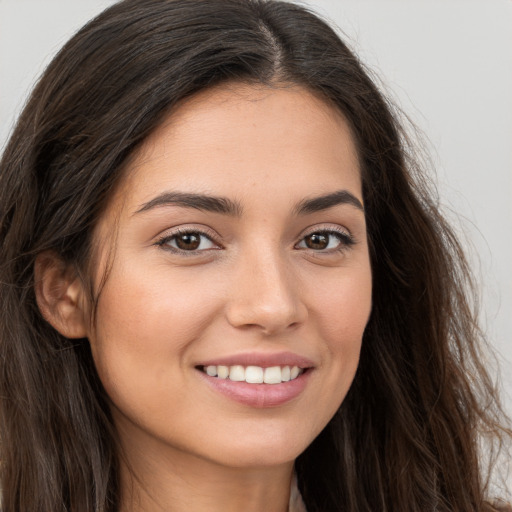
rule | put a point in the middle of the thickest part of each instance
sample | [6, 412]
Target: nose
[265, 295]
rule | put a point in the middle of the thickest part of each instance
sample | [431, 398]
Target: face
[240, 249]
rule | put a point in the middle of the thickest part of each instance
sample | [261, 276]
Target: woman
[221, 274]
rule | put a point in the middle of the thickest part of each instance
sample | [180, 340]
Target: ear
[60, 295]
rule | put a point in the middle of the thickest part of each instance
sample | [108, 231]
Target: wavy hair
[407, 436]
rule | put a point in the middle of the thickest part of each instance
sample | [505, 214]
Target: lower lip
[259, 395]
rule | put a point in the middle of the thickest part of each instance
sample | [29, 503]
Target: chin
[260, 449]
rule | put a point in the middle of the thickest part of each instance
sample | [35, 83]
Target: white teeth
[211, 371]
[254, 374]
[222, 372]
[237, 373]
[272, 375]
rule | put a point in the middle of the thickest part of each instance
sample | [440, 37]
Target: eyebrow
[317, 204]
[198, 201]
[227, 206]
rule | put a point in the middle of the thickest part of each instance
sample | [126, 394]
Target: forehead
[238, 139]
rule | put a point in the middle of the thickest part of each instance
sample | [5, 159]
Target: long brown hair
[407, 436]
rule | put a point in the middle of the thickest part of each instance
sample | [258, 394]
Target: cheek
[145, 323]
[343, 307]
[154, 309]
[340, 314]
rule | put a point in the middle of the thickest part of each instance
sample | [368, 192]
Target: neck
[174, 481]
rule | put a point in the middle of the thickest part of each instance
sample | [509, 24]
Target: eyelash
[180, 232]
[346, 240]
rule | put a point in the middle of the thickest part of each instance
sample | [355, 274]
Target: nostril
[268, 320]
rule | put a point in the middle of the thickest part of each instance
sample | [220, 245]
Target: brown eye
[188, 241]
[317, 241]
[326, 241]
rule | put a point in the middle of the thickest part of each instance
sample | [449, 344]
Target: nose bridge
[264, 292]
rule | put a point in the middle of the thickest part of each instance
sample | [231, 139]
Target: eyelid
[169, 234]
[326, 228]
[346, 238]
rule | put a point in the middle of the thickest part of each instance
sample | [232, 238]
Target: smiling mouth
[254, 374]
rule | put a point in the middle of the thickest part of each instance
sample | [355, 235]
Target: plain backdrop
[447, 63]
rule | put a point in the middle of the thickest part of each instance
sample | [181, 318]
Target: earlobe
[59, 294]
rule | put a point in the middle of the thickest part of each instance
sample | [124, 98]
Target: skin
[253, 285]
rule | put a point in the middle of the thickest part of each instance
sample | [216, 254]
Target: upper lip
[264, 360]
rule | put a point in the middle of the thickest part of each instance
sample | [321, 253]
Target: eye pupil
[317, 241]
[188, 241]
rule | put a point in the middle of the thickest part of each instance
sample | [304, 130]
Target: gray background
[447, 63]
